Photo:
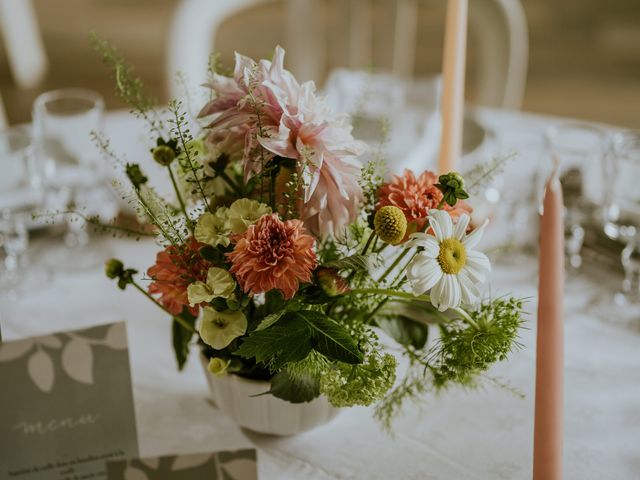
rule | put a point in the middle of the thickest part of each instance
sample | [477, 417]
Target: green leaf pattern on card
[75, 350]
[233, 465]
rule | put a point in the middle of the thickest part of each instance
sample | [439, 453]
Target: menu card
[66, 404]
[232, 465]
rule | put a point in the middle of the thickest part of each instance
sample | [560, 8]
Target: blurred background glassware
[20, 196]
[64, 123]
[622, 209]
[579, 150]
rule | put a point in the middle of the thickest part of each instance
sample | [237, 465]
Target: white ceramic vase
[235, 397]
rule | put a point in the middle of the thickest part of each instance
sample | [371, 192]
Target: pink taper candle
[547, 443]
[453, 69]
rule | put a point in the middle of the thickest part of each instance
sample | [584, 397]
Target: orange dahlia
[175, 269]
[415, 197]
[273, 254]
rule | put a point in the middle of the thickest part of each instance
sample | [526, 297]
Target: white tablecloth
[483, 434]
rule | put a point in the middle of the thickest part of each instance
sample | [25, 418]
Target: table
[485, 434]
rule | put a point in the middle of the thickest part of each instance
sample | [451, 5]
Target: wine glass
[20, 196]
[578, 149]
[64, 122]
[622, 209]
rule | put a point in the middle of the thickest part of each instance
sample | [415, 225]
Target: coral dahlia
[273, 254]
[175, 269]
[415, 197]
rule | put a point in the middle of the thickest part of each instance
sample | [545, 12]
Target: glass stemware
[20, 196]
[622, 209]
[64, 122]
[579, 150]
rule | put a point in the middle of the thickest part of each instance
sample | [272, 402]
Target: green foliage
[272, 318]
[412, 387]
[331, 339]
[295, 335]
[481, 175]
[287, 341]
[181, 337]
[464, 351]
[372, 174]
[129, 87]
[348, 385]
[404, 330]
[354, 262]
[295, 389]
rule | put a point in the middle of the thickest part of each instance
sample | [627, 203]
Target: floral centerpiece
[288, 259]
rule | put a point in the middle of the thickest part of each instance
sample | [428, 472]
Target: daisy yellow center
[452, 256]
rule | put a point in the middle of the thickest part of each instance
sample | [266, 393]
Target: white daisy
[448, 265]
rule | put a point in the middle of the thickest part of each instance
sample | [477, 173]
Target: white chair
[498, 26]
[23, 43]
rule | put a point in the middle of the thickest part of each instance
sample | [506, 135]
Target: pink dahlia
[175, 269]
[275, 115]
[273, 254]
[327, 158]
[246, 105]
[415, 197]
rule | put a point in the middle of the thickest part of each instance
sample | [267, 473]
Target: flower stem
[233, 185]
[272, 190]
[425, 298]
[393, 265]
[182, 204]
[178, 319]
[467, 318]
[369, 240]
[389, 292]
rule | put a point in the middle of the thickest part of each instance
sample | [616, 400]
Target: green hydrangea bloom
[245, 212]
[349, 385]
[219, 283]
[213, 229]
[219, 329]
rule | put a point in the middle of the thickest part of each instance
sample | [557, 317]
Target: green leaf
[354, 262]
[404, 330]
[295, 389]
[181, 337]
[288, 341]
[270, 320]
[331, 339]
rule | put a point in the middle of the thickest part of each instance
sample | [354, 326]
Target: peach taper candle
[548, 424]
[453, 74]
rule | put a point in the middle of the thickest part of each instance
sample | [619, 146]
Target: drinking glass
[578, 150]
[20, 196]
[622, 209]
[64, 122]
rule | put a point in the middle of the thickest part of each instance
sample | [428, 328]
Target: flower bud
[452, 187]
[390, 224]
[331, 282]
[218, 366]
[164, 155]
[135, 175]
[113, 268]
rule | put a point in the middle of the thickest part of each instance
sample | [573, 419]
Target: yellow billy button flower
[218, 366]
[390, 224]
[213, 229]
[219, 283]
[245, 212]
[219, 329]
